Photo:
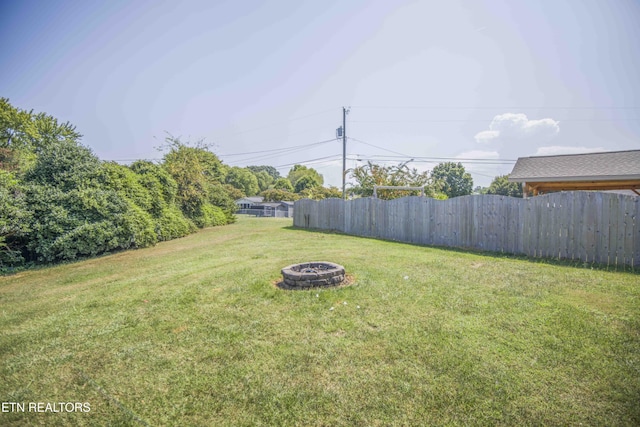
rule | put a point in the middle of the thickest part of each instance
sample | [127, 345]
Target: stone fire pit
[312, 275]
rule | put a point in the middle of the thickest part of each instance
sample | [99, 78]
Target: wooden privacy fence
[588, 226]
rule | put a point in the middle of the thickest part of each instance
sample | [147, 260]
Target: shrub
[171, 223]
[83, 222]
[65, 165]
[209, 216]
[152, 190]
[14, 217]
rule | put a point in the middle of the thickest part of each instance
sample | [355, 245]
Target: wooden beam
[547, 187]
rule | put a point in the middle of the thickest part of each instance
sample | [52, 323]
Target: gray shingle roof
[254, 199]
[613, 165]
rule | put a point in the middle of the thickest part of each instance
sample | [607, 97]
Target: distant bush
[171, 224]
[153, 190]
[83, 222]
[209, 216]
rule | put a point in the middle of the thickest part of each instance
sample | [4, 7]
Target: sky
[265, 82]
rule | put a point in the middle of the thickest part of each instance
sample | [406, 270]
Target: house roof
[607, 166]
[255, 199]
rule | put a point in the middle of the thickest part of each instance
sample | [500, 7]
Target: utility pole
[345, 111]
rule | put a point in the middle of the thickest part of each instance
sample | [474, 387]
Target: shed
[612, 170]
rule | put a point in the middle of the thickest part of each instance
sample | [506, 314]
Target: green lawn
[194, 332]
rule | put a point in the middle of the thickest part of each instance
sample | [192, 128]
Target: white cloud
[555, 150]
[511, 127]
[487, 136]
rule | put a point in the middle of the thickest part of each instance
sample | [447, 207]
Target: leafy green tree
[276, 195]
[243, 179]
[65, 165]
[23, 134]
[455, 181]
[197, 172]
[299, 171]
[273, 173]
[306, 182]
[264, 180]
[162, 188]
[501, 186]
[233, 193]
[369, 175]
[17, 129]
[319, 193]
[283, 184]
[480, 190]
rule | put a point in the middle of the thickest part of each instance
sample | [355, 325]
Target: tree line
[59, 202]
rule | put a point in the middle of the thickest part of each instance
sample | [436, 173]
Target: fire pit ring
[312, 275]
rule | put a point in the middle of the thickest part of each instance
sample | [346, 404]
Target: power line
[498, 107]
[277, 149]
[280, 122]
[482, 174]
[421, 158]
[311, 161]
[435, 160]
[488, 121]
[279, 153]
[375, 146]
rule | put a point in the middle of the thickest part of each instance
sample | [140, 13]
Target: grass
[194, 332]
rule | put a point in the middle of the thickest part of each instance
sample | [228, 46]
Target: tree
[66, 165]
[283, 184]
[480, 190]
[264, 180]
[319, 193]
[243, 179]
[453, 178]
[369, 175]
[298, 171]
[24, 134]
[306, 182]
[501, 186]
[197, 172]
[275, 195]
[273, 173]
[16, 127]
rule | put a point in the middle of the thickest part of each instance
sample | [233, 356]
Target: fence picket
[592, 227]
